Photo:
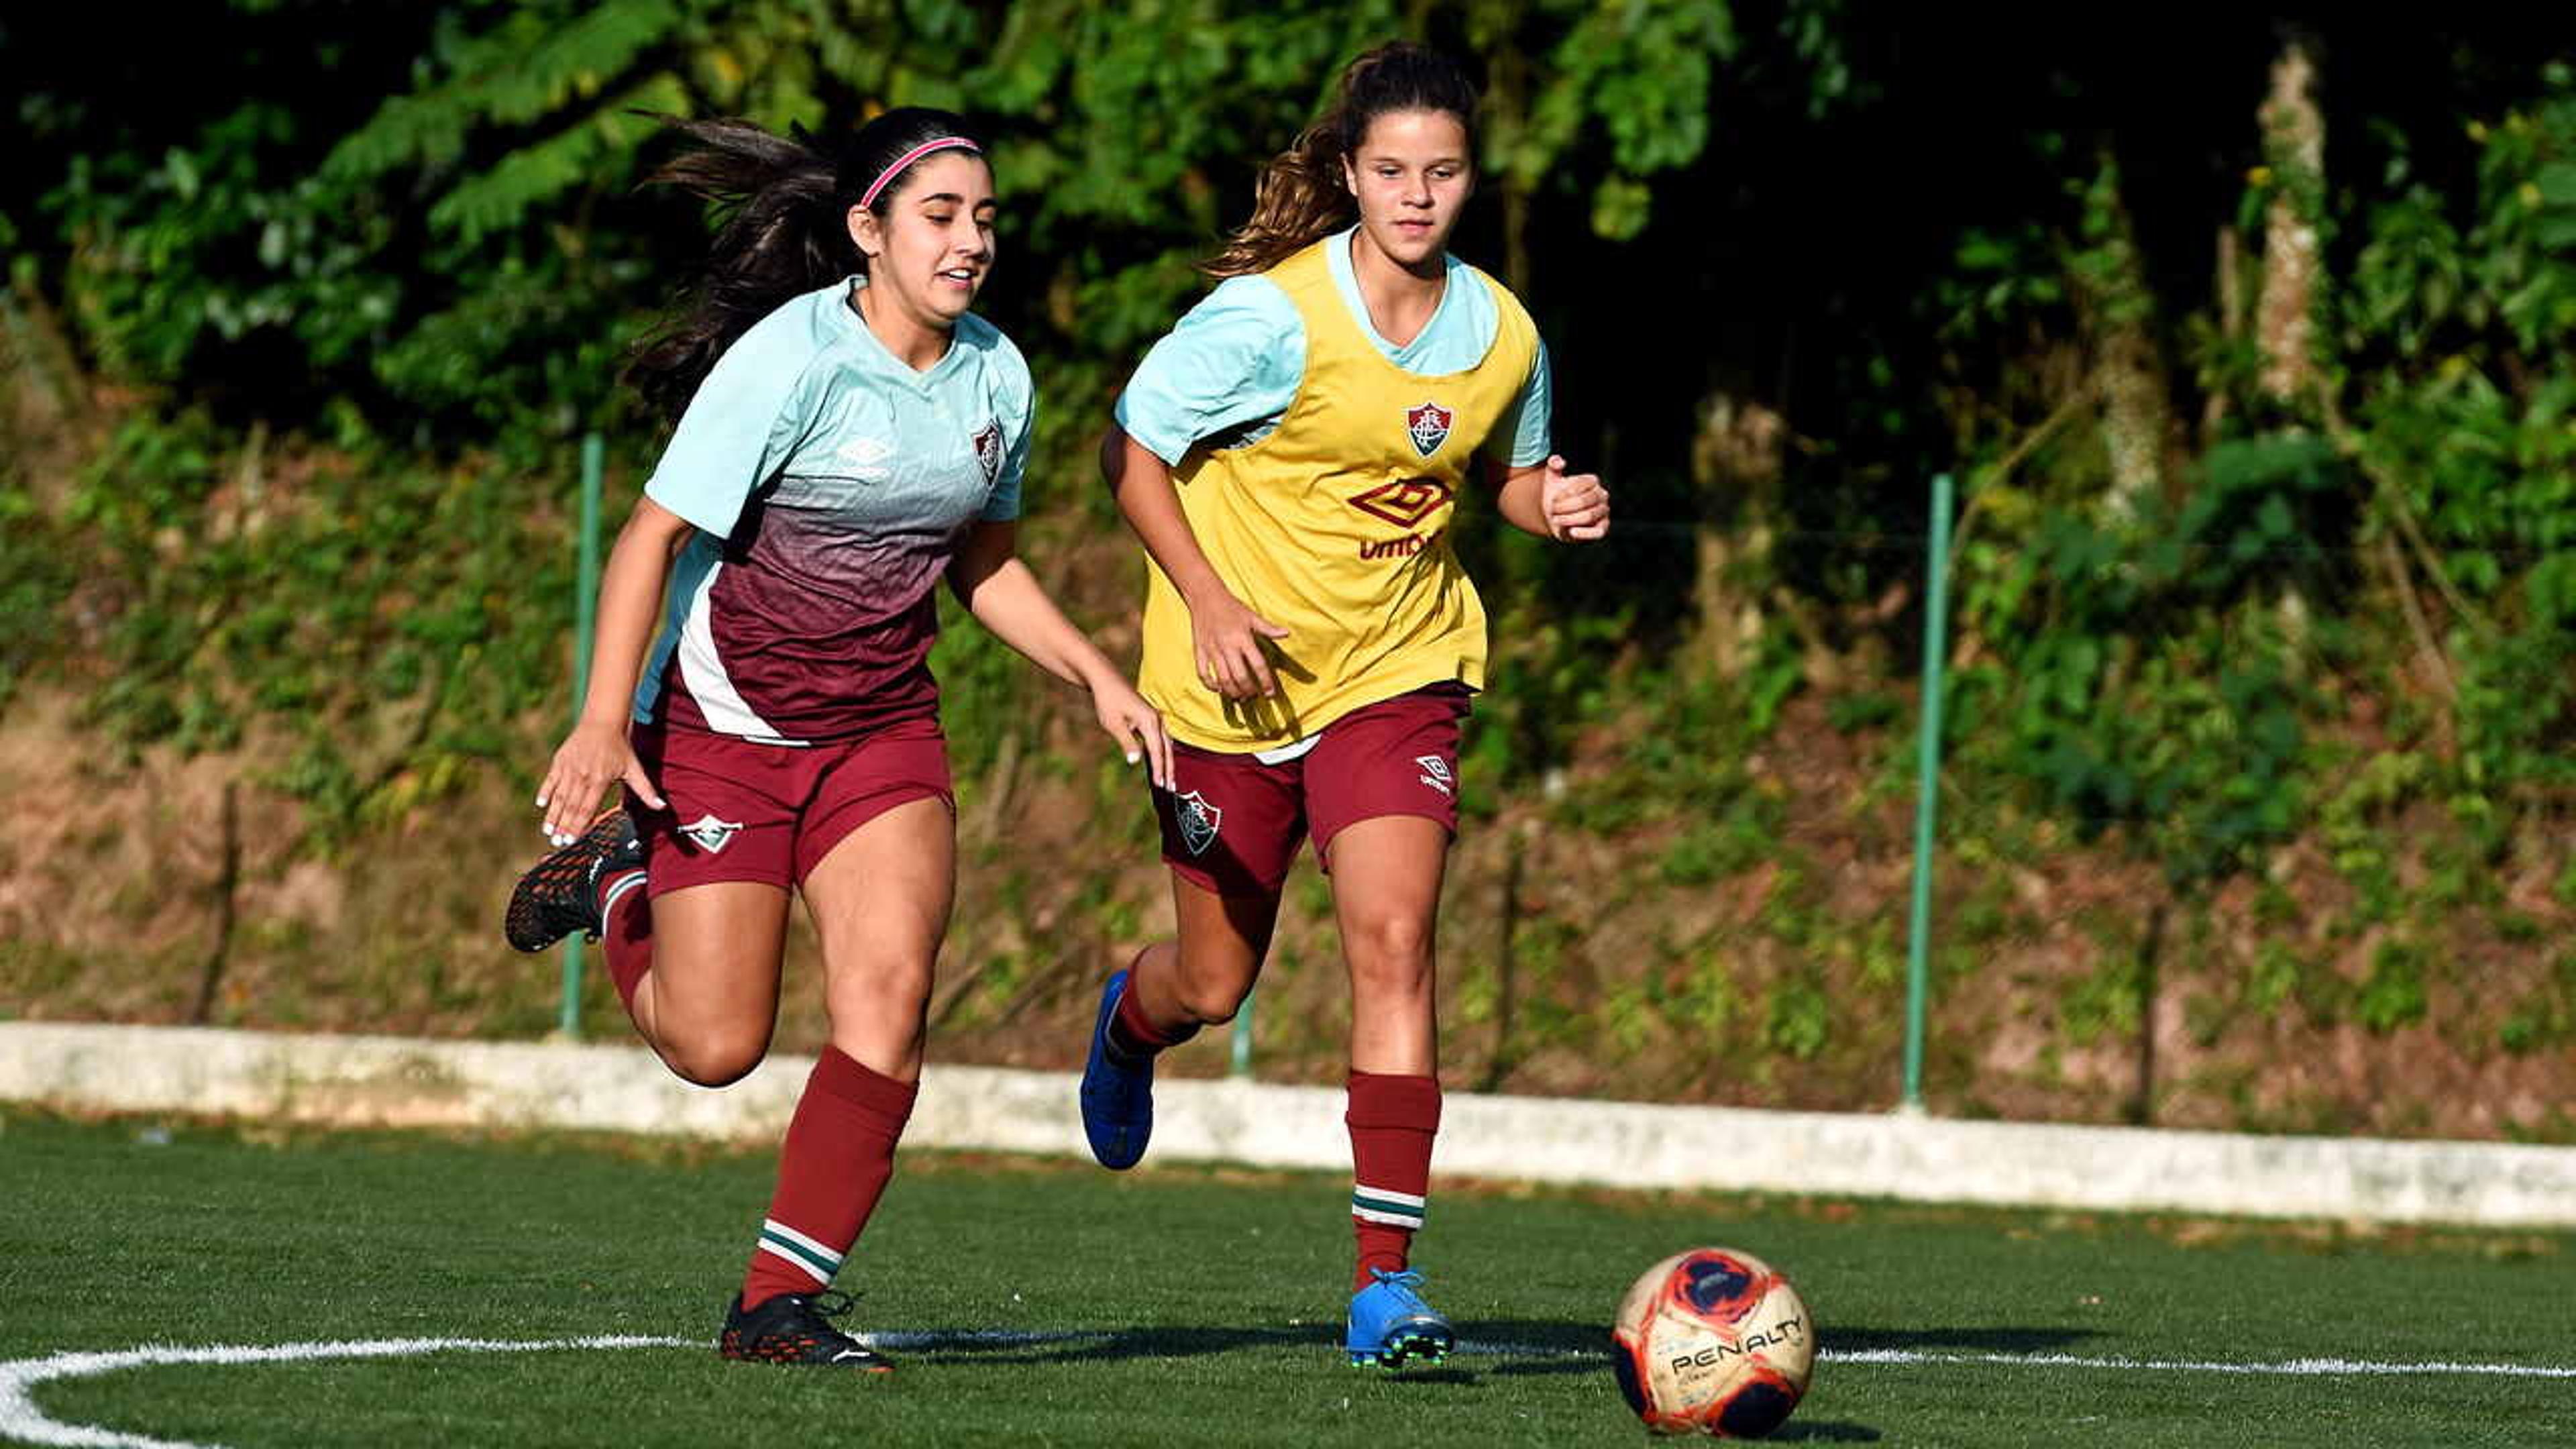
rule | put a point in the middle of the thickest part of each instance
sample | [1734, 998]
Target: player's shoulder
[1505, 302]
[782, 348]
[1252, 306]
[991, 345]
[996, 354]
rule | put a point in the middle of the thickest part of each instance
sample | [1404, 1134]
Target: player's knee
[1210, 1005]
[714, 1057]
[880, 988]
[1389, 952]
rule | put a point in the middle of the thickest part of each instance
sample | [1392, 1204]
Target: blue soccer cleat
[1392, 1327]
[1117, 1092]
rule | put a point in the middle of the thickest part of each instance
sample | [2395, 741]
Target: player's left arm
[1533, 490]
[998, 589]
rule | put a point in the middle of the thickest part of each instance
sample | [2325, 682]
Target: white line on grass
[22, 1421]
[2296, 1367]
[20, 1418]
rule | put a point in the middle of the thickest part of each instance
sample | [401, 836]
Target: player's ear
[1350, 176]
[864, 231]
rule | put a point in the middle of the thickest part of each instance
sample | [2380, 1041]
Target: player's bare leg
[708, 998]
[1386, 898]
[1201, 976]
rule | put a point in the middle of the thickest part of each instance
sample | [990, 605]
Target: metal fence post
[1936, 653]
[585, 622]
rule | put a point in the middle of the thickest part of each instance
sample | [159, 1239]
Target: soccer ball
[1713, 1341]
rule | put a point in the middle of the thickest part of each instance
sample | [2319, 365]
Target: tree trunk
[1736, 461]
[2128, 374]
[2294, 146]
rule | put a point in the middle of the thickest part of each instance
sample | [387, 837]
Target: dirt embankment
[2070, 983]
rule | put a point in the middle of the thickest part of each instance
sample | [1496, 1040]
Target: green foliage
[2151, 684]
[2467, 417]
[36, 576]
[366, 317]
[2393, 994]
[379, 618]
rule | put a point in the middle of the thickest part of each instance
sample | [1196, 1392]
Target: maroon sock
[1392, 1121]
[839, 1153]
[1134, 1035]
[627, 921]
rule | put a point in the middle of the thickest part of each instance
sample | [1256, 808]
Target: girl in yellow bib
[1292, 455]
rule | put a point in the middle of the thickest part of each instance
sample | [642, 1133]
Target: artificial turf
[1066, 1305]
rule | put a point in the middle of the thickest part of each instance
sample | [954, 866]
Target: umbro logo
[710, 834]
[1403, 504]
[861, 452]
[1436, 774]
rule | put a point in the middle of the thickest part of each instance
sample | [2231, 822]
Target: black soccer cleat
[790, 1329]
[560, 894]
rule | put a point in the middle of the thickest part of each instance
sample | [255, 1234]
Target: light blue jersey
[1232, 365]
[830, 484]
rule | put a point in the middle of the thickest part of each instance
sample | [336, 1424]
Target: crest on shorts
[1428, 427]
[988, 452]
[1198, 820]
[1435, 773]
[710, 834]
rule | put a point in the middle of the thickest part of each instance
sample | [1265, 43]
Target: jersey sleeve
[1520, 439]
[739, 429]
[1018, 407]
[1234, 359]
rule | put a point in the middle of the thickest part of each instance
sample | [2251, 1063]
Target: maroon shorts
[1231, 824]
[741, 811]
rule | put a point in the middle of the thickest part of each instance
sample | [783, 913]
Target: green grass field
[1062, 1305]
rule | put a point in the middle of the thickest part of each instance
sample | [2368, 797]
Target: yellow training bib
[1335, 526]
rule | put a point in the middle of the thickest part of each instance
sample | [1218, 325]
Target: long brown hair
[1300, 197]
[785, 202]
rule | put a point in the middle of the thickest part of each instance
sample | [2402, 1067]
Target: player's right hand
[1227, 636]
[593, 759]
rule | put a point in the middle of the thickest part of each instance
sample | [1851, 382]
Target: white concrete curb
[387, 1081]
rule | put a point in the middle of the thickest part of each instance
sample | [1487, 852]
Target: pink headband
[944, 143]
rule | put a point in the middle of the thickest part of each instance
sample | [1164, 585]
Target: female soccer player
[848, 434]
[1290, 455]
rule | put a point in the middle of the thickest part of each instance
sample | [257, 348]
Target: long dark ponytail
[785, 203]
[1300, 198]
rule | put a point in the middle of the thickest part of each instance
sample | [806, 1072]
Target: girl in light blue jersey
[848, 436]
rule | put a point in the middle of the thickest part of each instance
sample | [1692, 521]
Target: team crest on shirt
[988, 452]
[1436, 774]
[1403, 503]
[1198, 820]
[1428, 427]
[710, 834]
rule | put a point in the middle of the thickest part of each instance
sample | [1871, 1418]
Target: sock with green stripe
[1392, 1120]
[838, 1156]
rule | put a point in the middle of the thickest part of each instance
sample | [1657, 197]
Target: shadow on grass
[1498, 1346]
[1495, 1347]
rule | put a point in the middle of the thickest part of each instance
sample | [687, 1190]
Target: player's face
[1411, 175]
[930, 252]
